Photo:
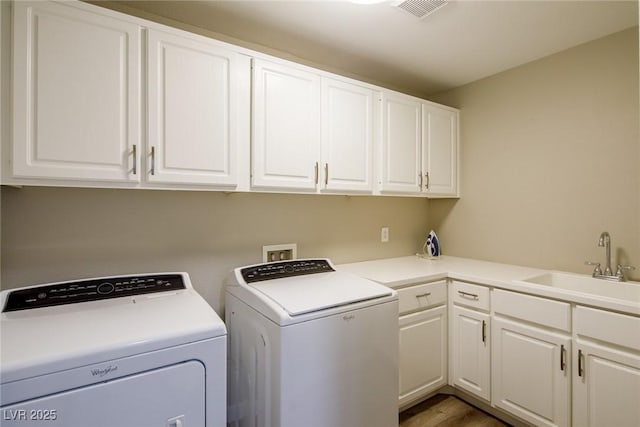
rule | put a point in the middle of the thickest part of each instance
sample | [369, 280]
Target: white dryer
[144, 350]
[310, 346]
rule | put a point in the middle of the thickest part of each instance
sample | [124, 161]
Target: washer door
[169, 396]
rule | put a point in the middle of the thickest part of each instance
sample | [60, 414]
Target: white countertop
[404, 271]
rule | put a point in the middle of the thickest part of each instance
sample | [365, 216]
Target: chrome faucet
[605, 241]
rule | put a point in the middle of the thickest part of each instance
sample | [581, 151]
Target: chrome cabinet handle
[426, 175]
[563, 358]
[580, 367]
[326, 174]
[468, 295]
[135, 159]
[426, 294]
[484, 331]
[316, 173]
[153, 160]
[420, 185]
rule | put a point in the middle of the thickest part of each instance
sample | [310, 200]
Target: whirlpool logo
[101, 372]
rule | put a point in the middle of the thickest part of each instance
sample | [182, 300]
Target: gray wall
[51, 234]
[550, 158]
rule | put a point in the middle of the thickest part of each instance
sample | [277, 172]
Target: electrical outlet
[273, 253]
[384, 234]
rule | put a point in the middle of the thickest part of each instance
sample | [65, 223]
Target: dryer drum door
[169, 396]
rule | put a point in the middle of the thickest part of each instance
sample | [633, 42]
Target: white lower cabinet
[531, 370]
[606, 381]
[423, 356]
[470, 338]
[606, 386]
[531, 374]
[546, 362]
[423, 340]
[470, 350]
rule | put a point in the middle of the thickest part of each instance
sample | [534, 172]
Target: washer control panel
[91, 290]
[279, 270]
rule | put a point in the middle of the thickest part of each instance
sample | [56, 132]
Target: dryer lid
[311, 293]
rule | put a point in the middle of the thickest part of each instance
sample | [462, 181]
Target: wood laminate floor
[447, 411]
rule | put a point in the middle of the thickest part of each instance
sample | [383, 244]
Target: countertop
[404, 271]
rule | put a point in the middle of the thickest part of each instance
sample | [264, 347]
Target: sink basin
[629, 291]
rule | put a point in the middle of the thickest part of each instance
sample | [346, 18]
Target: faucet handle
[596, 271]
[621, 268]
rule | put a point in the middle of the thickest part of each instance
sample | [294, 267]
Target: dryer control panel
[91, 290]
[279, 270]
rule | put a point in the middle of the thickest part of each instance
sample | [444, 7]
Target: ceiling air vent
[420, 8]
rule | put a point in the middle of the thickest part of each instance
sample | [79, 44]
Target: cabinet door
[530, 373]
[440, 153]
[192, 111]
[470, 351]
[286, 127]
[606, 386]
[423, 353]
[347, 136]
[76, 94]
[401, 144]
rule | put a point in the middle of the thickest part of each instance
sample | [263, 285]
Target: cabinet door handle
[563, 358]
[426, 294]
[153, 160]
[420, 184]
[484, 331]
[135, 159]
[468, 295]
[316, 172]
[426, 176]
[580, 367]
[326, 174]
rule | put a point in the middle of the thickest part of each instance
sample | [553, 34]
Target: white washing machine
[134, 351]
[310, 346]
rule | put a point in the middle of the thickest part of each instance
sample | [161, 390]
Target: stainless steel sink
[628, 291]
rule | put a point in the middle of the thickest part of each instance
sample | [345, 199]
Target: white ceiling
[460, 43]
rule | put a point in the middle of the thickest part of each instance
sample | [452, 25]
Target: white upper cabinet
[419, 148]
[440, 150]
[401, 144]
[311, 133]
[286, 127]
[192, 108]
[76, 94]
[105, 99]
[349, 118]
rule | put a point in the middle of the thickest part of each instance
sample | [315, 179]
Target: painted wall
[51, 234]
[550, 158]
